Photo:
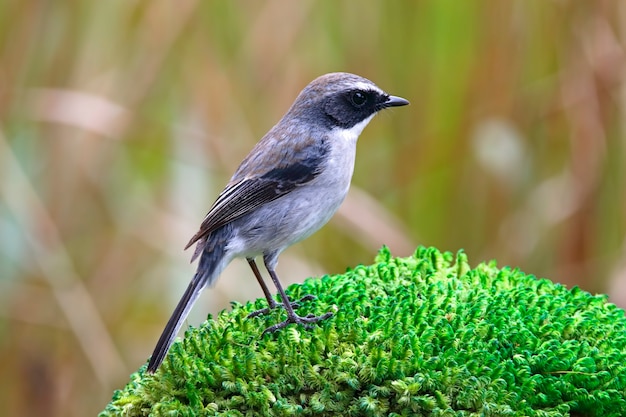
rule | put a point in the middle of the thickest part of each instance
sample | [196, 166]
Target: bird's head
[341, 100]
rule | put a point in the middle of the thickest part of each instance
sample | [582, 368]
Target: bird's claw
[306, 321]
[294, 304]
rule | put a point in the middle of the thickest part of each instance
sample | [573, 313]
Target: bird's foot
[294, 304]
[306, 321]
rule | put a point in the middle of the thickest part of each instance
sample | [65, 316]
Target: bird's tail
[210, 266]
[175, 322]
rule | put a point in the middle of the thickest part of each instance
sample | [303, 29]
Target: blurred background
[120, 122]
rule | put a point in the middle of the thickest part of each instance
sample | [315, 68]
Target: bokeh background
[120, 122]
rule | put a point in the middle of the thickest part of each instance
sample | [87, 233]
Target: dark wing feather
[242, 197]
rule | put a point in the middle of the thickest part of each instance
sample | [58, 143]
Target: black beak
[393, 101]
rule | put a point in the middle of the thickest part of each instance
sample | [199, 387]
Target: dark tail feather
[210, 266]
[175, 322]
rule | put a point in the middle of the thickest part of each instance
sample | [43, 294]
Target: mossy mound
[419, 336]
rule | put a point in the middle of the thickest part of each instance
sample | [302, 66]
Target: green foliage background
[121, 121]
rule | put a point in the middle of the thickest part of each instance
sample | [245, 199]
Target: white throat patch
[352, 134]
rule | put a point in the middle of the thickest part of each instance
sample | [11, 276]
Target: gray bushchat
[288, 186]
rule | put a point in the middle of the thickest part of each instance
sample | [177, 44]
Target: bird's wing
[244, 195]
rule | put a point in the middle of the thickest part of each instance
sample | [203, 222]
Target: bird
[288, 186]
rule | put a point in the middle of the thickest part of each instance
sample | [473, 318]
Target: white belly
[296, 215]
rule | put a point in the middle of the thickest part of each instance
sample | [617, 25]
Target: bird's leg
[270, 300]
[292, 317]
[255, 269]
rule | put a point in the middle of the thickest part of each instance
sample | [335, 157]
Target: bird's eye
[358, 98]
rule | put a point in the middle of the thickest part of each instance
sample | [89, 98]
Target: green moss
[419, 336]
